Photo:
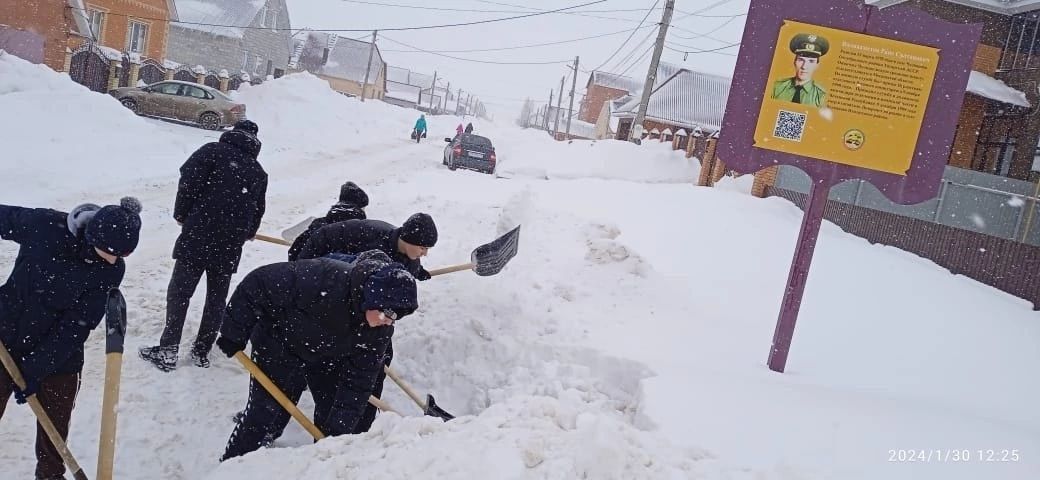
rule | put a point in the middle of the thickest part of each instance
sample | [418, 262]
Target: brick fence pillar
[764, 179]
[135, 74]
[113, 74]
[200, 78]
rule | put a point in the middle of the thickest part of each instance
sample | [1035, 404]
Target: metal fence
[974, 201]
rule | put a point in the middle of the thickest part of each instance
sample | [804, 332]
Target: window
[196, 92]
[273, 16]
[168, 88]
[270, 68]
[97, 22]
[257, 63]
[263, 16]
[1021, 46]
[137, 37]
[245, 60]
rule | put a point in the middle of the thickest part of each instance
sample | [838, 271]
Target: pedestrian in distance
[420, 128]
[54, 297]
[220, 202]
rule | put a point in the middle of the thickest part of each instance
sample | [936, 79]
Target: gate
[234, 82]
[89, 68]
[212, 81]
[151, 72]
[184, 75]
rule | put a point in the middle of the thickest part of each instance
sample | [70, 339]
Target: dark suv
[470, 151]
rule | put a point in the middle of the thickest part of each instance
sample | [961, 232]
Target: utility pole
[444, 99]
[433, 88]
[548, 107]
[651, 75]
[559, 101]
[368, 67]
[570, 108]
[458, 103]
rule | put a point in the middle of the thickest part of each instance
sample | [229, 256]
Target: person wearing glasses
[54, 297]
[322, 324]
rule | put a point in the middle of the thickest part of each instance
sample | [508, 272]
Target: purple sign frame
[956, 43]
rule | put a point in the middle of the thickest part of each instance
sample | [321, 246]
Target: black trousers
[57, 395]
[183, 282]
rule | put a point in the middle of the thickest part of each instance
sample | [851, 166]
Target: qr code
[789, 125]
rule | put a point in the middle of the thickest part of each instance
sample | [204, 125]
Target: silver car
[185, 101]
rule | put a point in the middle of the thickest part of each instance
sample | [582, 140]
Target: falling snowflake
[978, 220]
[245, 190]
[1016, 202]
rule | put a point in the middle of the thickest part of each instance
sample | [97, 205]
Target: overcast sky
[716, 24]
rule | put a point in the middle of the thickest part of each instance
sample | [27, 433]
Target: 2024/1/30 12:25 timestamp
[953, 455]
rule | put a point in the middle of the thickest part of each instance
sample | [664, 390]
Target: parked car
[470, 151]
[185, 101]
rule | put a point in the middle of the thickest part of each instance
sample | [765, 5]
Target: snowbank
[533, 153]
[301, 111]
[58, 136]
[988, 87]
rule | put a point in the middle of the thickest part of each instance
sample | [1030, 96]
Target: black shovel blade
[115, 321]
[434, 411]
[492, 257]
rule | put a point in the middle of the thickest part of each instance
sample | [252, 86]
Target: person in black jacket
[55, 296]
[351, 206]
[406, 245]
[318, 323]
[220, 202]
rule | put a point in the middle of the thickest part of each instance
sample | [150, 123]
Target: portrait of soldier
[801, 88]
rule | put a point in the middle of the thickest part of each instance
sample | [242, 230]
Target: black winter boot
[199, 359]
[163, 358]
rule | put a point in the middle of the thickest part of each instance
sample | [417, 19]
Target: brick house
[601, 88]
[343, 62]
[240, 36]
[138, 27]
[40, 30]
[684, 100]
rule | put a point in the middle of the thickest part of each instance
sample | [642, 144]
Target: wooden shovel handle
[453, 268]
[270, 239]
[404, 386]
[41, 416]
[107, 442]
[278, 395]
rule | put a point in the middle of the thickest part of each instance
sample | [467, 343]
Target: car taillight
[492, 157]
[457, 151]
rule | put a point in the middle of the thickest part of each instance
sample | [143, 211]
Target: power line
[648, 12]
[705, 51]
[489, 62]
[635, 49]
[709, 32]
[388, 29]
[473, 10]
[637, 61]
[517, 47]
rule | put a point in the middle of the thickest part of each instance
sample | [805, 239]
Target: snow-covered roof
[667, 131]
[404, 75]
[688, 99]
[348, 57]
[402, 91]
[580, 129]
[681, 133]
[1006, 7]
[986, 86]
[612, 80]
[216, 13]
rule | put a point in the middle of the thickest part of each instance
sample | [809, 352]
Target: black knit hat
[419, 230]
[116, 229]
[390, 288]
[247, 126]
[351, 193]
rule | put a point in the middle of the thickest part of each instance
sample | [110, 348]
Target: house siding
[594, 98]
[115, 28]
[273, 45]
[215, 53]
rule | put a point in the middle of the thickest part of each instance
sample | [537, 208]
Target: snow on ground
[626, 340]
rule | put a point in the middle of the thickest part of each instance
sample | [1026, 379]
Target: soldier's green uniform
[805, 45]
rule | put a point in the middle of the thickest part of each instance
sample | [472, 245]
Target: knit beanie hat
[116, 228]
[419, 230]
[247, 126]
[390, 288]
[351, 193]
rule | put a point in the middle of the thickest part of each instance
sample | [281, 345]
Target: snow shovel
[429, 407]
[41, 416]
[115, 331]
[272, 239]
[294, 231]
[287, 404]
[490, 258]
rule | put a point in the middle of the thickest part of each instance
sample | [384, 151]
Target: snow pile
[535, 154]
[521, 438]
[986, 86]
[302, 111]
[59, 136]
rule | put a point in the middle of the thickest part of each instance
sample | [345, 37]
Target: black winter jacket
[220, 201]
[313, 309]
[356, 236]
[339, 212]
[56, 292]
